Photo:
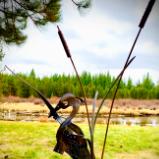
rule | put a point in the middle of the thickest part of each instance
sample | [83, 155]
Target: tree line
[57, 85]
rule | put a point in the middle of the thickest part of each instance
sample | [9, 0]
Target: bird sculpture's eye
[65, 103]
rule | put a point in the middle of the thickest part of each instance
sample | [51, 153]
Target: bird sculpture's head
[67, 100]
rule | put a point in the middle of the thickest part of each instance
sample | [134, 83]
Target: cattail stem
[128, 61]
[64, 43]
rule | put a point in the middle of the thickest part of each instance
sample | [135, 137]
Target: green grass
[35, 140]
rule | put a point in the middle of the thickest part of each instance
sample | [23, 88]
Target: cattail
[64, 42]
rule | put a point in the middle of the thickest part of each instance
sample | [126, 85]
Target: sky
[99, 39]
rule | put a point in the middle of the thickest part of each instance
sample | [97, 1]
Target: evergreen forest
[58, 84]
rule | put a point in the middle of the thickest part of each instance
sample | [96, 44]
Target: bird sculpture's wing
[71, 140]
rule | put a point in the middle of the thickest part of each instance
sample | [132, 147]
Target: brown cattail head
[146, 13]
[64, 42]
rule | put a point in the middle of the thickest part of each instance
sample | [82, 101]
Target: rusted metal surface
[70, 139]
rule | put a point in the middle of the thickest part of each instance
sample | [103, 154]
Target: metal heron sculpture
[70, 138]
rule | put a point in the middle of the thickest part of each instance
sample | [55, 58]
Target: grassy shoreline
[36, 140]
[26, 107]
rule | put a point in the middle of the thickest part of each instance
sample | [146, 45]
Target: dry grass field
[127, 107]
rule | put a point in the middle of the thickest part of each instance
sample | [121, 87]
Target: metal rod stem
[110, 112]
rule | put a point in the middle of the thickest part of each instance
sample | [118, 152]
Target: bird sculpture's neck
[75, 103]
[67, 100]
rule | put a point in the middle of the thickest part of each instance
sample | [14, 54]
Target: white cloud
[136, 74]
[93, 36]
[148, 48]
[96, 30]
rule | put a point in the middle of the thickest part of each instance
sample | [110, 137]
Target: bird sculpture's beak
[60, 105]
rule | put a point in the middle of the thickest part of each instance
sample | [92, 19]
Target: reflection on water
[22, 116]
[116, 120]
[141, 121]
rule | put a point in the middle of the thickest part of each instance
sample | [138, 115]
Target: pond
[127, 120]
[43, 117]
